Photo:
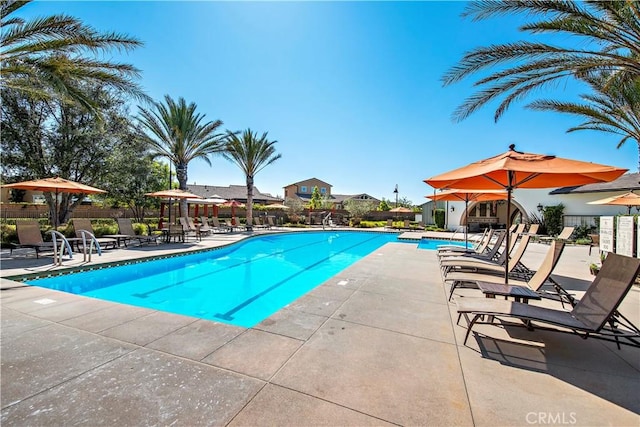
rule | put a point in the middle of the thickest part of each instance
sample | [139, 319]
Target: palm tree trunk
[249, 202]
[181, 175]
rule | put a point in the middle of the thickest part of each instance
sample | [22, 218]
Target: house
[232, 192]
[303, 190]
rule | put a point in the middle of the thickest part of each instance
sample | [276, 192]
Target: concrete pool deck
[376, 344]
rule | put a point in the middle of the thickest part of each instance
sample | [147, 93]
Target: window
[323, 190]
[303, 189]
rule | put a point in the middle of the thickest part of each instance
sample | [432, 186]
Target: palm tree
[608, 31]
[252, 154]
[613, 107]
[176, 132]
[47, 57]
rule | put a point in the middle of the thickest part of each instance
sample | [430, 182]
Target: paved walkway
[375, 345]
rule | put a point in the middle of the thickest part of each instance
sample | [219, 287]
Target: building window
[323, 190]
[303, 189]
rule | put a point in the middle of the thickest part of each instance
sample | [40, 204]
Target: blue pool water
[241, 284]
[433, 244]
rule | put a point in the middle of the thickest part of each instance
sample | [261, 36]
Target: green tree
[51, 57]
[358, 208]
[316, 199]
[384, 205]
[553, 218]
[600, 36]
[251, 153]
[45, 138]
[131, 174]
[612, 107]
[174, 130]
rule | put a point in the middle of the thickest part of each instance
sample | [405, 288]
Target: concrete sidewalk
[375, 345]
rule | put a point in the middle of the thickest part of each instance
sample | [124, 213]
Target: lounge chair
[389, 224]
[217, 226]
[125, 227]
[491, 253]
[565, 235]
[481, 245]
[29, 236]
[595, 315]
[189, 228]
[535, 283]
[176, 232]
[533, 229]
[204, 225]
[85, 224]
[257, 223]
[513, 261]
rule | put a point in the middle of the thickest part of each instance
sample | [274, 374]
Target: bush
[439, 217]
[553, 219]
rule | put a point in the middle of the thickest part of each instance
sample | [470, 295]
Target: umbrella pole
[466, 221]
[506, 248]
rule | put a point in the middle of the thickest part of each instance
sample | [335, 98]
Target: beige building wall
[306, 187]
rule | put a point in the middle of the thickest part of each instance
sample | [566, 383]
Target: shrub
[439, 216]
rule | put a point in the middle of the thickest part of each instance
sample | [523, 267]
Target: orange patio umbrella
[628, 199]
[55, 185]
[467, 196]
[514, 169]
[173, 194]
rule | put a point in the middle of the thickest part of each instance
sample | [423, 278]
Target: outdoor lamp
[540, 207]
[453, 208]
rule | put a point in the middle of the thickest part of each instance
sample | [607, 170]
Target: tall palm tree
[613, 107]
[48, 57]
[252, 154]
[175, 131]
[603, 36]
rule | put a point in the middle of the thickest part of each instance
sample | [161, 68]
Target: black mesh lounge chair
[535, 283]
[125, 227]
[514, 264]
[85, 224]
[595, 315]
[29, 236]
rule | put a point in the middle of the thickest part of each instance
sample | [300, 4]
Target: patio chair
[29, 236]
[217, 226]
[176, 232]
[535, 283]
[513, 261]
[491, 253]
[125, 227]
[204, 225]
[85, 224]
[258, 224]
[189, 228]
[389, 224]
[595, 315]
[565, 235]
[533, 229]
[479, 248]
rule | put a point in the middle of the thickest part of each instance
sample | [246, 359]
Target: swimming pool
[241, 284]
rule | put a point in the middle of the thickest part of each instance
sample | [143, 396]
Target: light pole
[396, 191]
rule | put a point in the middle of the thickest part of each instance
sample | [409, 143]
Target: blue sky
[350, 90]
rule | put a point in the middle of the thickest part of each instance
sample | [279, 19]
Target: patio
[382, 349]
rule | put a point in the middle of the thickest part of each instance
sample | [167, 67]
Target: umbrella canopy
[628, 199]
[514, 169]
[55, 185]
[468, 196]
[276, 206]
[401, 209]
[174, 194]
